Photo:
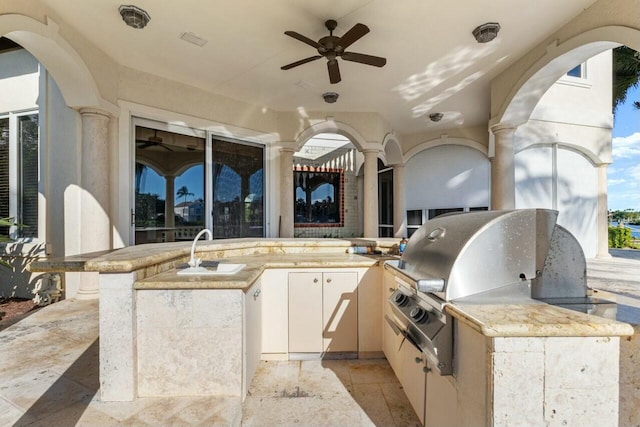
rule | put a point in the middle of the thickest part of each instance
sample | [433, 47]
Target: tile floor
[327, 393]
[49, 377]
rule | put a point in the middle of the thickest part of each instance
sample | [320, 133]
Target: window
[577, 71]
[385, 200]
[318, 197]
[19, 173]
[414, 221]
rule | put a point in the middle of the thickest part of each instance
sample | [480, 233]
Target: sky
[623, 175]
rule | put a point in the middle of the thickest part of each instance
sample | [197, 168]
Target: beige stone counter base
[534, 320]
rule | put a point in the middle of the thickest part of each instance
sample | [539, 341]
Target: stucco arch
[446, 141]
[558, 59]
[391, 150]
[65, 65]
[331, 126]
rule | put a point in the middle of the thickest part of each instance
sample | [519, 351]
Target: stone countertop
[132, 258]
[534, 319]
[529, 318]
[255, 265]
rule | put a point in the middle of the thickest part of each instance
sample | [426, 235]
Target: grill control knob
[399, 298]
[418, 314]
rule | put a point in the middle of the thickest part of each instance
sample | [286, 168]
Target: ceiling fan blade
[352, 35]
[165, 147]
[303, 39]
[376, 61]
[144, 144]
[302, 61]
[334, 71]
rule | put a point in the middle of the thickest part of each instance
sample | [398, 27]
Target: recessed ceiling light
[133, 16]
[193, 39]
[436, 117]
[330, 97]
[486, 32]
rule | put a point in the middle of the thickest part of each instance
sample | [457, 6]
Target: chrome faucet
[195, 262]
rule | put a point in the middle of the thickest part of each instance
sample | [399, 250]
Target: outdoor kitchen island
[163, 334]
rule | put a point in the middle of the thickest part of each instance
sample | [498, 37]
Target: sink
[222, 270]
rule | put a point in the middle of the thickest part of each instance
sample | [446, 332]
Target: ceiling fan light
[486, 32]
[133, 16]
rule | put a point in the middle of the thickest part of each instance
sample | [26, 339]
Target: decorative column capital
[94, 112]
[503, 128]
[375, 151]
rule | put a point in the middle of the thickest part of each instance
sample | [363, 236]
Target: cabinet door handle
[257, 293]
[315, 280]
[418, 359]
[392, 290]
[329, 280]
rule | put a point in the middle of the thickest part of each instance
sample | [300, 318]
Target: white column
[286, 192]
[370, 213]
[603, 214]
[399, 205]
[503, 186]
[95, 221]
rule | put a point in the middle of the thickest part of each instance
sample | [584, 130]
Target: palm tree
[626, 74]
[184, 192]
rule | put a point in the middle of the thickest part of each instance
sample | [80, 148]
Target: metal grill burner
[489, 256]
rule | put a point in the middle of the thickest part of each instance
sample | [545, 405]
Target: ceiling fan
[152, 141]
[333, 47]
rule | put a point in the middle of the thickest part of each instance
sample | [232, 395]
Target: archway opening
[325, 186]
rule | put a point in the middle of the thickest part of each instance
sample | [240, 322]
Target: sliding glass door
[184, 184]
[237, 184]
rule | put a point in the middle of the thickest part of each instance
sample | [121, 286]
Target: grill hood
[458, 255]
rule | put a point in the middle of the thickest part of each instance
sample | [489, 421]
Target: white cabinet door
[340, 311]
[252, 333]
[413, 378]
[305, 313]
[390, 340]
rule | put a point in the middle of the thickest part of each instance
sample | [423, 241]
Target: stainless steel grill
[489, 256]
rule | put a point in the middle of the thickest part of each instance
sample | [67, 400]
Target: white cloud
[616, 181]
[626, 147]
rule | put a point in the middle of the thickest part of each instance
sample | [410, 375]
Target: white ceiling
[433, 62]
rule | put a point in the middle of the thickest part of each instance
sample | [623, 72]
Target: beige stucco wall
[602, 26]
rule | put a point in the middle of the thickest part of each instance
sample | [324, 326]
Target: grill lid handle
[430, 285]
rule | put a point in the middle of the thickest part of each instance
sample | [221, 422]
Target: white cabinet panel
[252, 333]
[340, 311]
[305, 313]
[370, 292]
[275, 312]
